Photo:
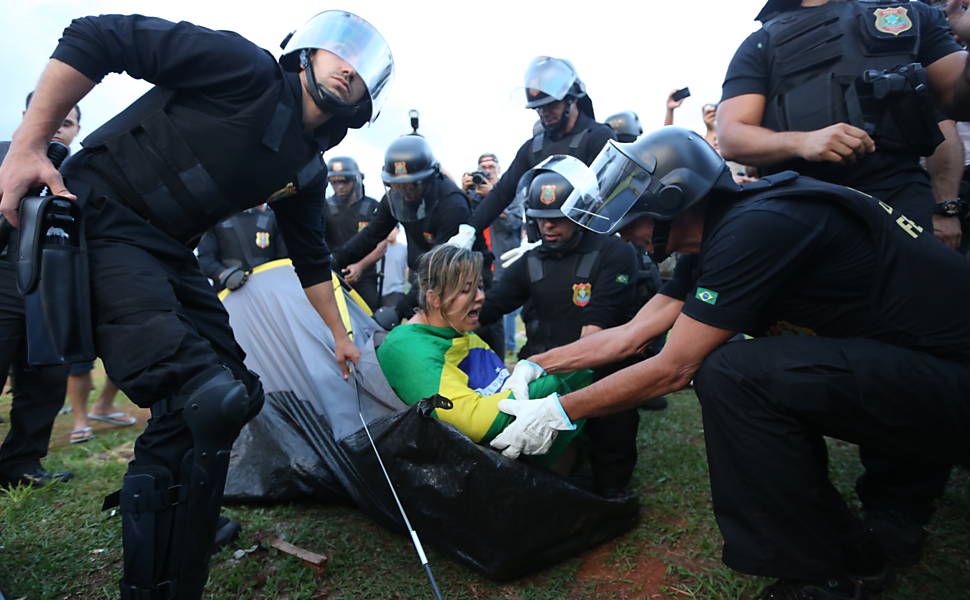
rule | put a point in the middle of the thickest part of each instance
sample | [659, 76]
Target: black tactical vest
[160, 177]
[559, 288]
[343, 222]
[567, 144]
[853, 62]
[911, 262]
[248, 240]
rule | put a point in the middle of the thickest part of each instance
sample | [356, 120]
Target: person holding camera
[554, 90]
[884, 66]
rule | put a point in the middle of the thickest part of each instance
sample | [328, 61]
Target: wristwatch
[951, 208]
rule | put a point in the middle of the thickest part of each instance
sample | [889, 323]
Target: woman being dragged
[437, 352]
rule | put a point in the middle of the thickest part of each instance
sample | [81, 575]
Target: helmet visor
[357, 42]
[406, 201]
[546, 80]
[618, 182]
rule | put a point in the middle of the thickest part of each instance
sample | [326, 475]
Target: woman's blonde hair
[444, 270]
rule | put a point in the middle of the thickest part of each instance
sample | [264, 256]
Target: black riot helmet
[343, 166]
[548, 80]
[545, 187]
[356, 42]
[660, 176]
[408, 160]
[772, 8]
[626, 125]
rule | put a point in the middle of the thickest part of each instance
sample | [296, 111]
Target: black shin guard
[168, 540]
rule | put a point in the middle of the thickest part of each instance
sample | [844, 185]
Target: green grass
[56, 543]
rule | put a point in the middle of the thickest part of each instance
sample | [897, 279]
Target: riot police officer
[626, 125]
[857, 108]
[226, 128]
[428, 206]
[573, 284]
[792, 261]
[229, 251]
[568, 126]
[349, 210]
[882, 65]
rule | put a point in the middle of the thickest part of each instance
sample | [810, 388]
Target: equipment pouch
[52, 275]
[815, 104]
[888, 32]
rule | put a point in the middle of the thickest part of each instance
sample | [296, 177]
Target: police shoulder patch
[706, 295]
[623, 278]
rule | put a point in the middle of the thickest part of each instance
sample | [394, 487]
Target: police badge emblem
[262, 239]
[582, 293]
[547, 195]
[401, 168]
[892, 20]
[532, 88]
[337, 166]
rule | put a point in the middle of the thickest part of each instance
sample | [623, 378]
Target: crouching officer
[226, 128]
[573, 284]
[795, 262]
[232, 249]
[349, 210]
[567, 125]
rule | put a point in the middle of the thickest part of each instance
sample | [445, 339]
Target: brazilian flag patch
[623, 278]
[706, 295]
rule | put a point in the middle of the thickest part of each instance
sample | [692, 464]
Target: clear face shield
[550, 76]
[406, 201]
[618, 182]
[355, 41]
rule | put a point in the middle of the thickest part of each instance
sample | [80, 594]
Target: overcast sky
[460, 64]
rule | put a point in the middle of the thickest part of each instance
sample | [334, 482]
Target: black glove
[387, 317]
[233, 279]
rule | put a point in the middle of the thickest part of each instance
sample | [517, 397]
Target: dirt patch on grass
[642, 578]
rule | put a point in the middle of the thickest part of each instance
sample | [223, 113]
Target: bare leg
[78, 389]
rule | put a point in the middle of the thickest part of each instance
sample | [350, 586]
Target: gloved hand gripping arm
[536, 425]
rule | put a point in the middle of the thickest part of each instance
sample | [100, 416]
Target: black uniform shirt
[612, 290]
[228, 89]
[798, 266]
[750, 73]
[504, 191]
[448, 210]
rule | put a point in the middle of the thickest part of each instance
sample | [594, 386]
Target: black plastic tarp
[502, 517]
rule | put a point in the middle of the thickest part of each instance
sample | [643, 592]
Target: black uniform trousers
[767, 403]
[38, 393]
[159, 326]
[906, 485]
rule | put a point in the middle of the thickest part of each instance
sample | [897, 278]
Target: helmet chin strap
[324, 100]
[557, 129]
[661, 231]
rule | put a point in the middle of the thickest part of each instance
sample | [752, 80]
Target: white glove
[536, 425]
[464, 238]
[510, 256]
[524, 373]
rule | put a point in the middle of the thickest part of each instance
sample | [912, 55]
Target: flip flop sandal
[81, 435]
[119, 418]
